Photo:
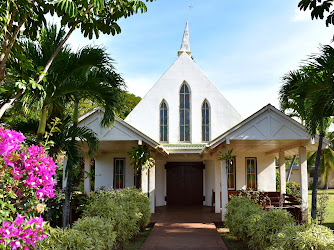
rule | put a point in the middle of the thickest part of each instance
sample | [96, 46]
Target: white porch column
[87, 186]
[217, 186]
[224, 189]
[303, 182]
[64, 176]
[148, 185]
[152, 189]
[282, 179]
[144, 181]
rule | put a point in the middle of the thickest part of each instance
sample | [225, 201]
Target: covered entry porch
[256, 142]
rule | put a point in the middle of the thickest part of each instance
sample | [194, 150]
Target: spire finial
[185, 46]
[190, 7]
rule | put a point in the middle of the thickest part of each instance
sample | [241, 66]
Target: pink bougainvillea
[10, 140]
[26, 175]
[34, 167]
[21, 232]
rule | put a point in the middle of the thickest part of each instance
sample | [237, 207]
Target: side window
[251, 169]
[163, 122]
[205, 121]
[119, 170]
[231, 174]
[184, 113]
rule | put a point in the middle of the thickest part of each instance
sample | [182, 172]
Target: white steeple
[185, 46]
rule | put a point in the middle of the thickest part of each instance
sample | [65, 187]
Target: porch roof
[268, 130]
[118, 134]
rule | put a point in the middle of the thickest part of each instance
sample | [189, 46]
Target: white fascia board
[220, 139]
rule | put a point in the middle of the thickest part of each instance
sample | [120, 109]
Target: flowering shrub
[26, 179]
[293, 188]
[21, 233]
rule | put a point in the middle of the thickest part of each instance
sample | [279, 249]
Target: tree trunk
[315, 178]
[10, 102]
[42, 124]
[290, 169]
[67, 202]
[68, 190]
[326, 182]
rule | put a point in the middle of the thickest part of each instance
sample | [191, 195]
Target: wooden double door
[185, 183]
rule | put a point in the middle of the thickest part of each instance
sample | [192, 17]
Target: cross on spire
[190, 7]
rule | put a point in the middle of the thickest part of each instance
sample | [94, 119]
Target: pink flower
[19, 219]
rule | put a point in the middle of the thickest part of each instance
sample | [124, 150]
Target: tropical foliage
[326, 159]
[308, 94]
[140, 158]
[91, 16]
[319, 9]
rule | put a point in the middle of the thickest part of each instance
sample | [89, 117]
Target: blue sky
[244, 47]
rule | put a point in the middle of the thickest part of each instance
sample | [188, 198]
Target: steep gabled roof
[119, 131]
[266, 124]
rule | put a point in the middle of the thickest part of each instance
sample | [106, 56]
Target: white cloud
[301, 15]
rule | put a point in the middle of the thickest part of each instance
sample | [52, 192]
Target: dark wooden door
[185, 183]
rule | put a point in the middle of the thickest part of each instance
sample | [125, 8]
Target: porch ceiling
[271, 146]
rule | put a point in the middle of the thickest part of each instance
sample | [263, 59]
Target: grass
[231, 241]
[329, 221]
[140, 239]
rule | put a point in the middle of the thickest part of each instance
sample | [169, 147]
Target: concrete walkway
[184, 228]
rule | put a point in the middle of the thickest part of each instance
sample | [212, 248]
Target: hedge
[110, 219]
[273, 229]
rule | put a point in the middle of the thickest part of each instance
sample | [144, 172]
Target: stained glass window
[251, 166]
[163, 122]
[119, 171]
[205, 121]
[184, 113]
[230, 168]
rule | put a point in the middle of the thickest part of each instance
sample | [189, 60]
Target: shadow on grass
[330, 225]
[231, 241]
[140, 238]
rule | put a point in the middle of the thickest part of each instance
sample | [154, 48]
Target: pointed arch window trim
[185, 113]
[163, 122]
[206, 121]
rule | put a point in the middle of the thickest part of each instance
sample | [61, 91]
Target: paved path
[184, 228]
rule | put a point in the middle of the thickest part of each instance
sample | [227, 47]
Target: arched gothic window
[184, 113]
[163, 122]
[205, 121]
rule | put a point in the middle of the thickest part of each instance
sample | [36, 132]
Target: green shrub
[113, 204]
[315, 237]
[240, 212]
[286, 238]
[54, 241]
[273, 229]
[87, 233]
[138, 199]
[263, 227]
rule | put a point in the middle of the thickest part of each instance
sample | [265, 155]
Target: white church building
[187, 121]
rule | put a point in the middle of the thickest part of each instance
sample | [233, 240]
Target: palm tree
[86, 74]
[305, 94]
[326, 159]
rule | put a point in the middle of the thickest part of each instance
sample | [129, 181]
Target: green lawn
[230, 240]
[329, 222]
[139, 240]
